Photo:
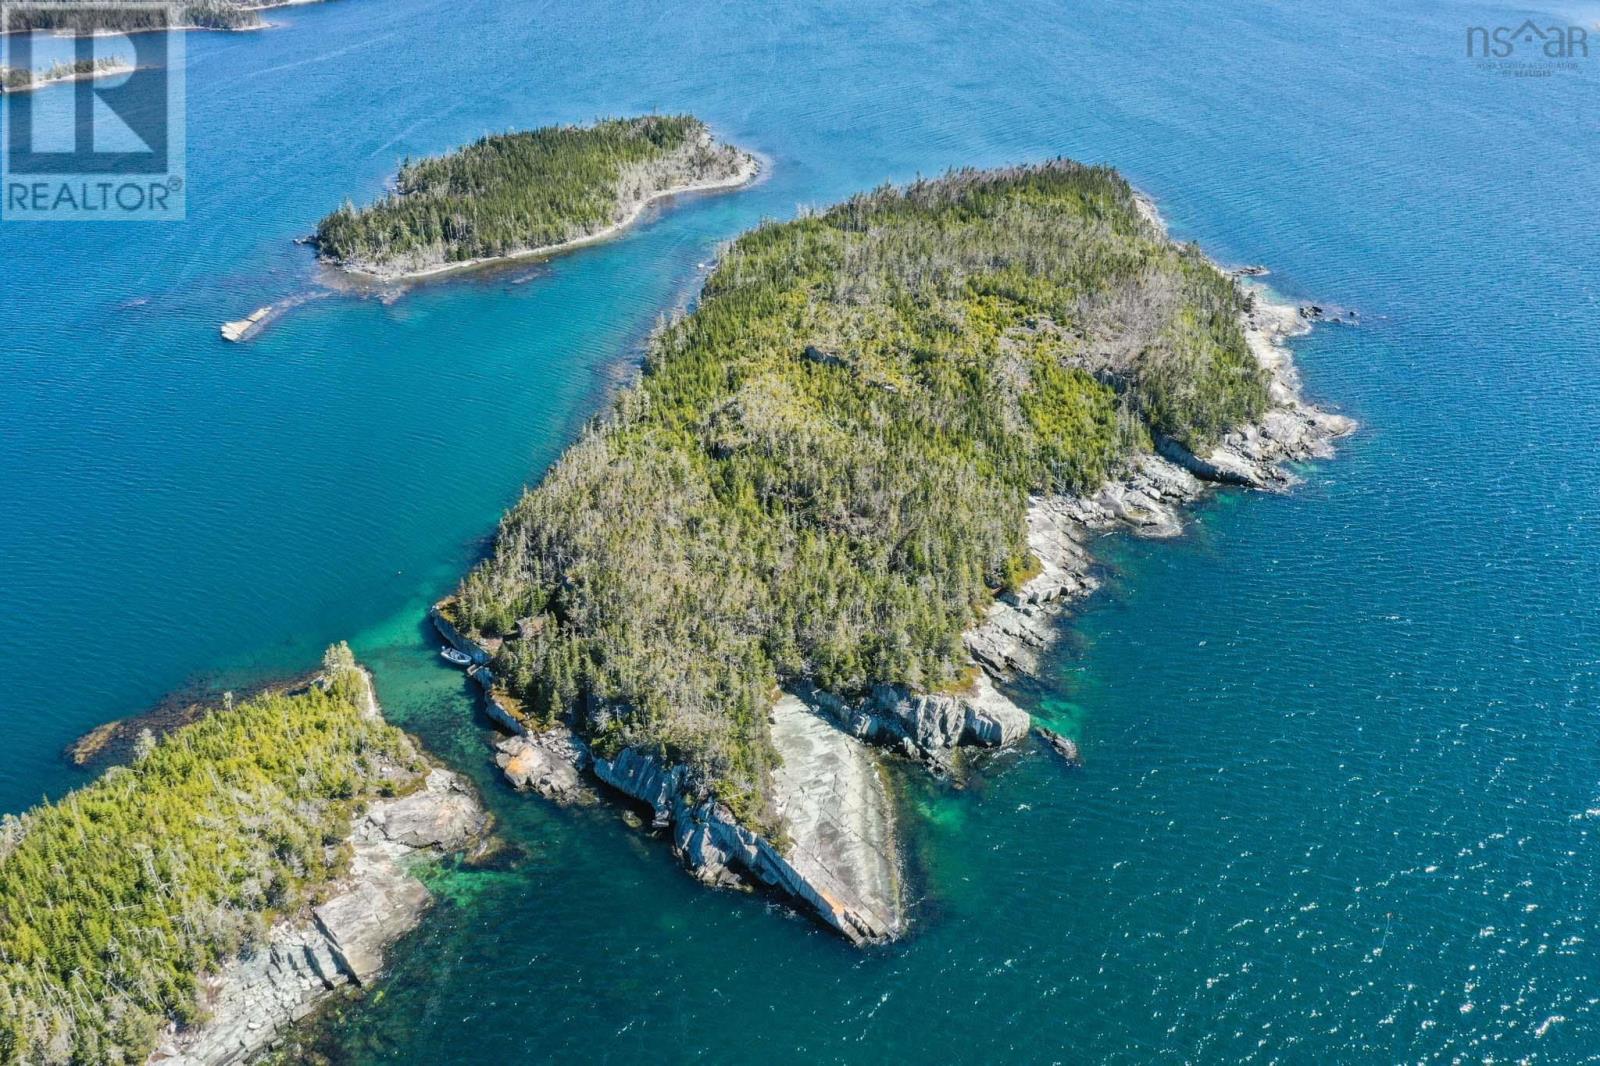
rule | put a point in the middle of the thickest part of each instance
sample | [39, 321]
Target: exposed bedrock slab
[550, 762]
[839, 815]
[839, 856]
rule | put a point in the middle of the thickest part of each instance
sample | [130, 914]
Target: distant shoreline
[748, 172]
[71, 76]
[254, 9]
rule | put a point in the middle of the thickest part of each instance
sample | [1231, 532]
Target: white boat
[452, 656]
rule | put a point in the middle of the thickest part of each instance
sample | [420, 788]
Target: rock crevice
[929, 727]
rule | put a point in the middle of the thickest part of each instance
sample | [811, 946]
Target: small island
[847, 496]
[533, 193]
[15, 80]
[188, 906]
[72, 17]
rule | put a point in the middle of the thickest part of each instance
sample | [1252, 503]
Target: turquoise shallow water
[1342, 779]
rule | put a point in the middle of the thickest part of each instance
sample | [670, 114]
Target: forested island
[77, 17]
[527, 193]
[14, 80]
[208, 892]
[881, 425]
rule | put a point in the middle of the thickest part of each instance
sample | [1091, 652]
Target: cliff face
[456, 639]
[930, 727]
[838, 859]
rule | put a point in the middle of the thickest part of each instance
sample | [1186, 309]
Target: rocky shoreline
[837, 852]
[1146, 499]
[838, 858]
[307, 957]
[929, 727]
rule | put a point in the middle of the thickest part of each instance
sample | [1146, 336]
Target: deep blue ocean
[1341, 792]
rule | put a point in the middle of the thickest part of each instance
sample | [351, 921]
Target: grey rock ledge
[305, 958]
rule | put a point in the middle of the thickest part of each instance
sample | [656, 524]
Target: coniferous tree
[824, 471]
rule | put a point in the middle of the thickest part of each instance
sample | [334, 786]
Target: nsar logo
[1529, 50]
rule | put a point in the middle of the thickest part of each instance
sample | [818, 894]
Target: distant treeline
[823, 473]
[13, 80]
[115, 898]
[517, 191]
[76, 16]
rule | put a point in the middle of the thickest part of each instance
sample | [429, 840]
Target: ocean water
[1341, 792]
